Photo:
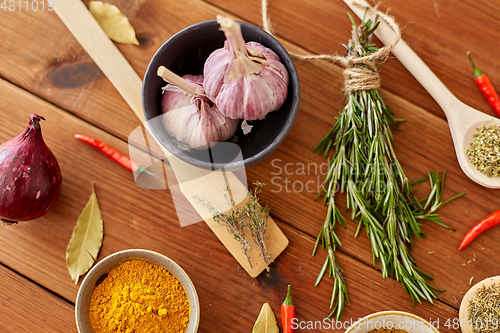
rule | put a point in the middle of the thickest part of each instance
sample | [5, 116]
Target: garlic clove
[179, 122]
[213, 72]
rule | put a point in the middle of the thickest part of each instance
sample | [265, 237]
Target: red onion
[30, 178]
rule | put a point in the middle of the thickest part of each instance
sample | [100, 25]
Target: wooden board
[44, 68]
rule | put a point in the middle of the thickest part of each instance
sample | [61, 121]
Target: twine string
[360, 73]
[266, 21]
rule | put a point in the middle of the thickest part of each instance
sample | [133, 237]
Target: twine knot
[359, 75]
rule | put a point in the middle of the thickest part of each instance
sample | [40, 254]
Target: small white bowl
[113, 260]
[392, 320]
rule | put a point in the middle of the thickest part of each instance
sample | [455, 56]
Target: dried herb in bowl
[484, 310]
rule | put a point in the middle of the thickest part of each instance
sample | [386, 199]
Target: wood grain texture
[319, 26]
[45, 70]
[306, 168]
[57, 69]
[26, 307]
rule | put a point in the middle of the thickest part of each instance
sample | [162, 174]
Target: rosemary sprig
[379, 195]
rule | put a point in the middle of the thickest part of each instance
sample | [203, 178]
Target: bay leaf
[266, 322]
[86, 240]
[113, 22]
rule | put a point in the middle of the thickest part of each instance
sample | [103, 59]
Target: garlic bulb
[189, 116]
[244, 80]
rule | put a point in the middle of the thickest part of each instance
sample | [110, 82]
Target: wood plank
[138, 218]
[60, 71]
[423, 137]
[26, 307]
[80, 165]
[207, 185]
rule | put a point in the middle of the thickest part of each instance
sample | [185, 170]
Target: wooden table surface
[43, 69]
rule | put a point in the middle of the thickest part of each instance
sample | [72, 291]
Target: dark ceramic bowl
[185, 53]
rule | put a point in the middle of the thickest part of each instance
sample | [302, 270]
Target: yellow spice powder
[138, 296]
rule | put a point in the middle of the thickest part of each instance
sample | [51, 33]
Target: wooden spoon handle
[410, 60]
[103, 51]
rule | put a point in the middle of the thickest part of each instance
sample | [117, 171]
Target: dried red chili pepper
[487, 223]
[113, 154]
[484, 84]
[287, 312]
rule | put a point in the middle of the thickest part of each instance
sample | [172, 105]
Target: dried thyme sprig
[379, 195]
[255, 217]
[251, 217]
[232, 221]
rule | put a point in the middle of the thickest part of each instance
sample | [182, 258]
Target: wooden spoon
[462, 119]
[463, 315]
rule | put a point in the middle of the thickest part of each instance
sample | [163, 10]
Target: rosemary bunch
[379, 195]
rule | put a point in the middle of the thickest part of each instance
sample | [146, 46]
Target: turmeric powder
[138, 296]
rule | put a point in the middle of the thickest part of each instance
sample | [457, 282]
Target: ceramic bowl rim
[391, 312]
[135, 254]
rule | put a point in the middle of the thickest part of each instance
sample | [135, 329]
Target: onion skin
[30, 177]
